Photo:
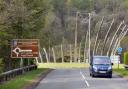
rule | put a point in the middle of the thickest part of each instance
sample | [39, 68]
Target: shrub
[126, 58]
[1, 65]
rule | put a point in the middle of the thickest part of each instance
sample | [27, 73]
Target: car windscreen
[101, 60]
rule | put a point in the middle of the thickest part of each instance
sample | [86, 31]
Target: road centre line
[84, 79]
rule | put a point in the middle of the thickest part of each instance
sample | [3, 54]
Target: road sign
[115, 59]
[120, 50]
[25, 48]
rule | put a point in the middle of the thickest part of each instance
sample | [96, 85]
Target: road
[80, 79]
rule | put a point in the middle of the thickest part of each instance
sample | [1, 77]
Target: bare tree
[54, 56]
[98, 35]
[118, 39]
[46, 55]
[75, 49]
[121, 38]
[62, 54]
[106, 36]
[113, 38]
[70, 53]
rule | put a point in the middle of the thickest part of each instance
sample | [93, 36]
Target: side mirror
[112, 64]
[90, 63]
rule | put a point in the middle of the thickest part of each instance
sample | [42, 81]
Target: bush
[126, 58]
[1, 65]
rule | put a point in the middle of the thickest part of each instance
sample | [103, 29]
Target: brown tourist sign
[25, 48]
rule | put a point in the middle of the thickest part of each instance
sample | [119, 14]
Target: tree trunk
[108, 52]
[46, 55]
[62, 54]
[54, 56]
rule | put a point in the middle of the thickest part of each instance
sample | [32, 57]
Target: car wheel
[90, 74]
[93, 75]
[110, 76]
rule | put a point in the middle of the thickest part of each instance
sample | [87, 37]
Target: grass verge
[22, 81]
[63, 65]
[122, 72]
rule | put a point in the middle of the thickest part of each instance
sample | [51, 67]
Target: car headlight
[110, 67]
[95, 68]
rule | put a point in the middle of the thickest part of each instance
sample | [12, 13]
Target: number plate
[102, 71]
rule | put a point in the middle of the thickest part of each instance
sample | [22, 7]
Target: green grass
[63, 65]
[23, 80]
[121, 71]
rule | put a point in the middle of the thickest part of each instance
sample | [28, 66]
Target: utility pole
[85, 46]
[89, 32]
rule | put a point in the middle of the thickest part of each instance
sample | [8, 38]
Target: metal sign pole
[21, 62]
[37, 60]
[28, 61]
[119, 60]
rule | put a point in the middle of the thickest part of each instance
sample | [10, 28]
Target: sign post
[21, 62]
[120, 49]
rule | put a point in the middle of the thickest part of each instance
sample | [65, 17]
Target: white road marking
[84, 79]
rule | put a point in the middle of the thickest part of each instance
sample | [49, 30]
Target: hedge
[126, 58]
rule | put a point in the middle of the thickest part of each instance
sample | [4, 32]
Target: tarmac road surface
[80, 79]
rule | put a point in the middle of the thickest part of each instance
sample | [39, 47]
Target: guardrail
[13, 73]
[126, 67]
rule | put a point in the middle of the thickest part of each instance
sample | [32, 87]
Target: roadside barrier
[13, 73]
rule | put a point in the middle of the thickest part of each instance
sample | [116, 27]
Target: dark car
[100, 66]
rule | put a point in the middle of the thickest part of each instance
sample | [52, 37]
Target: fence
[13, 73]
